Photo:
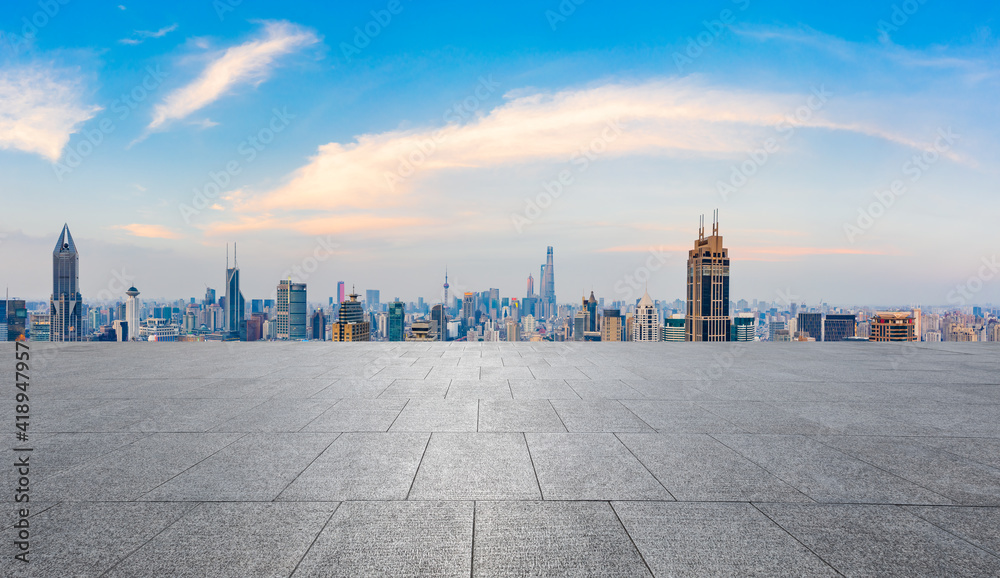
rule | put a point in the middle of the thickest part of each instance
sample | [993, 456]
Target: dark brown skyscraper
[708, 287]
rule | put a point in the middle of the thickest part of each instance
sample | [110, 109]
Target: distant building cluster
[706, 314]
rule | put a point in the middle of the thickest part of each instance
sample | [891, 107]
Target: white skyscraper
[132, 313]
[646, 325]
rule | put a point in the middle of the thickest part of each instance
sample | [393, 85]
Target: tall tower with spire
[235, 304]
[548, 286]
[66, 303]
[708, 287]
[446, 286]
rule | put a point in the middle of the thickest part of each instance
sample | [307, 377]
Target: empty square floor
[506, 459]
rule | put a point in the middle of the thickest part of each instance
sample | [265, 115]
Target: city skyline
[851, 158]
[959, 299]
[710, 312]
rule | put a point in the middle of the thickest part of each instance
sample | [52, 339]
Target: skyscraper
[593, 321]
[439, 319]
[396, 321]
[351, 325]
[209, 296]
[742, 328]
[291, 310]
[372, 299]
[531, 286]
[17, 319]
[513, 330]
[340, 292]
[131, 314]
[708, 287]
[673, 328]
[839, 327]
[468, 309]
[611, 327]
[318, 326]
[646, 323]
[810, 324]
[66, 304]
[548, 288]
[493, 305]
[892, 326]
[235, 304]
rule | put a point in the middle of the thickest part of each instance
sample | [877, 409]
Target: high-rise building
[209, 296]
[16, 316]
[421, 330]
[132, 313]
[235, 303]
[468, 309]
[396, 321]
[372, 299]
[256, 306]
[708, 287]
[290, 314]
[611, 326]
[580, 324]
[646, 322]
[41, 327]
[255, 326]
[529, 325]
[673, 328]
[122, 332]
[548, 288]
[838, 327]
[531, 286]
[743, 328]
[493, 303]
[66, 304]
[892, 326]
[776, 326]
[439, 321]
[340, 292]
[317, 327]
[810, 325]
[352, 325]
[593, 320]
[513, 329]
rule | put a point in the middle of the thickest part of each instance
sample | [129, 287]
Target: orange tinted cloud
[149, 231]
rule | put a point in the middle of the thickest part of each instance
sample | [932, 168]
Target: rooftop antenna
[715, 222]
[235, 264]
[227, 256]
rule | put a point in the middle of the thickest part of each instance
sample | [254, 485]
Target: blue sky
[433, 140]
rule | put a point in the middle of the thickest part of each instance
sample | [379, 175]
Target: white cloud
[139, 36]
[248, 63]
[40, 107]
[664, 117]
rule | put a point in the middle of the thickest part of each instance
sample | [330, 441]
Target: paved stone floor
[528, 459]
